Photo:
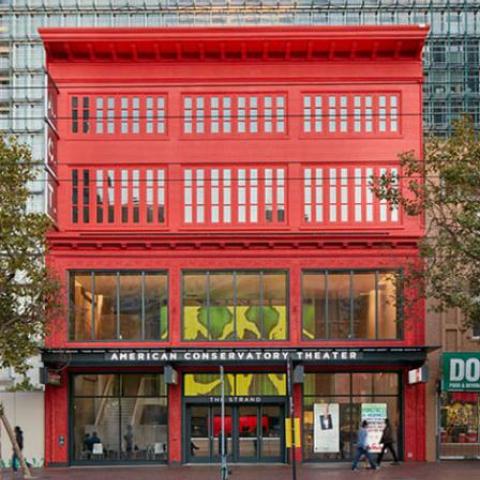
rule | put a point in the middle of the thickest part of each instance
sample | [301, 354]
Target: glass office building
[451, 55]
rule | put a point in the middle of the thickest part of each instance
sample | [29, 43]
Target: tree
[28, 292]
[444, 188]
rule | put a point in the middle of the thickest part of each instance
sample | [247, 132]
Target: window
[235, 114]
[351, 304]
[138, 115]
[230, 195]
[351, 113]
[235, 305]
[108, 186]
[348, 392]
[347, 194]
[99, 116]
[74, 114]
[118, 305]
[125, 413]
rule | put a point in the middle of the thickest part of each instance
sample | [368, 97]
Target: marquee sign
[411, 356]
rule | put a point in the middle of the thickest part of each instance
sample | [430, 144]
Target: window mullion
[92, 278]
[118, 304]
[351, 334]
[327, 320]
[235, 301]
[376, 305]
[261, 307]
[143, 308]
[207, 281]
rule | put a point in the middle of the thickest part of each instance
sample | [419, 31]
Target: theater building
[211, 193]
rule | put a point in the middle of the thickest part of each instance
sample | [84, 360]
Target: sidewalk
[412, 471]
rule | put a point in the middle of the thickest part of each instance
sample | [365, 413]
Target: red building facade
[211, 194]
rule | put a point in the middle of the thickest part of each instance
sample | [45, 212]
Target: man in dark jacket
[387, 443]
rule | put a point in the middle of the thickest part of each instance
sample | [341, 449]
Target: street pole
[224, 466]
[292, 416]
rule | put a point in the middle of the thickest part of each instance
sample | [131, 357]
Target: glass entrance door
[254, 433]
[204, 441]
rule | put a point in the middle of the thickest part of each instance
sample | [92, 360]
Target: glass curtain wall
[235, 305]
[355, 395]
[119, 417]
[121, 305]
[351, 305]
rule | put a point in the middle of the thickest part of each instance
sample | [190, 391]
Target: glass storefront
[119, 417]
[351, 304]
[459, 425]
[231, 305]
[344, 398]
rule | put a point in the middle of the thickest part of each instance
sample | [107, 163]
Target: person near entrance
[387, 444]
[363, 447]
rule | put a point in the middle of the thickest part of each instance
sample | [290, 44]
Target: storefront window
[247, 305]
[459, 424]
[119, 418]
[236, 384]
[118, 306]
[352, 304]
[340, 401]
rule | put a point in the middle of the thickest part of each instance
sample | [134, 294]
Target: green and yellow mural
[236, 384]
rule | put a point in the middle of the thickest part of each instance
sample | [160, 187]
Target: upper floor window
[234, 114]
[350, 305]
[118, 305]
[236, 195]
[134, 115]
[102, 196]
[235, 305]
[327, 114]
[344, 196]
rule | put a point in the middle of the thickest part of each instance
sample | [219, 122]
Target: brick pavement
[412, 471]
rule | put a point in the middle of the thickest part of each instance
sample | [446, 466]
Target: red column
[56, 423]
[175, 422]
[414, 422]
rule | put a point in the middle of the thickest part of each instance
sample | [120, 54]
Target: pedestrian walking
[363, 447]
[387, 442]
[19, 440]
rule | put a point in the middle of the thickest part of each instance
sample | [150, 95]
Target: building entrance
[254, 433]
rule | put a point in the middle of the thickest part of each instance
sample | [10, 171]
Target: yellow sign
[296, 432]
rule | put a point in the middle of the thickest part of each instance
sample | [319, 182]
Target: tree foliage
[28, 292]
[444, 188]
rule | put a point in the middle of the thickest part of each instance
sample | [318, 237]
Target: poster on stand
[326, 431]
[375, 414]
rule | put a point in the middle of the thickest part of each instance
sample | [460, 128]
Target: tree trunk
[8, 428]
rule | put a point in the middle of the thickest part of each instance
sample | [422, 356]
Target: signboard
[51, 196]
[50, 377]
[375, 414]
[461, 372]
[326, 428]
[51, 149]
[234, 355]
[418, 375]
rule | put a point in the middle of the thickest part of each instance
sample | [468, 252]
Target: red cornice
[234, 43]
[222, 242]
